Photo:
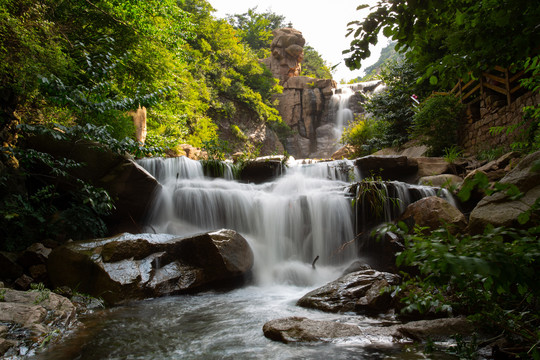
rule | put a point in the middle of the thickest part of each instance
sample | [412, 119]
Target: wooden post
[507, 87]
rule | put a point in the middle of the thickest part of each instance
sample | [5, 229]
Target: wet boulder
[358, 292]
[300, 329]
[139, 266]
[433, 212]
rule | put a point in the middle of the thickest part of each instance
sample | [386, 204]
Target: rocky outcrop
[499, 209]
[433, 212]
[29, 317]
[359, 291]
[139, 266]
[287, 53]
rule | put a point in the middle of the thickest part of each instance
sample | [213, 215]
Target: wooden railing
[499, 80]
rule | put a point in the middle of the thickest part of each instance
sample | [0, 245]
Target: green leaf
[433, 80]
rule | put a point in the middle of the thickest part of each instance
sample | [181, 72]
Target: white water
[340, 104]
[288, 222]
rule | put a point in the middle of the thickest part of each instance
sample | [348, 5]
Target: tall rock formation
[311, 107]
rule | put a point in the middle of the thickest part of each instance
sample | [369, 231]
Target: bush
[358, 134]
[437, 123]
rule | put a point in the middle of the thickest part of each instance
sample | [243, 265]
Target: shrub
[437, 123]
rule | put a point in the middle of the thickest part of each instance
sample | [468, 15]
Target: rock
[287, 53]
[497, 169]
[429, 166]
[35, 254]
[443, 180]
[5, 345]
[351, 292]
[39, 311]
[498, 209]
[23, 282]
[435, 330]
[399, 168]
[139, 266]
[194, 153]
[433, 212]
[261, 170]
[345, 152]
[300, 329]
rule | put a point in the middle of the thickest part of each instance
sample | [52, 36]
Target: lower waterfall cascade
[304, 213]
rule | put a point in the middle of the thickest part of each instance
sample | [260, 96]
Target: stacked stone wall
[475, 135]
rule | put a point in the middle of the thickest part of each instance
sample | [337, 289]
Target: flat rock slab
[300, 329]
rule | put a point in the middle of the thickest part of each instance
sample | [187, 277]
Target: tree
[314, 65]
[255, 29]
[448, 39]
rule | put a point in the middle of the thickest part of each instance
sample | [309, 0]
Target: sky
[322, 23]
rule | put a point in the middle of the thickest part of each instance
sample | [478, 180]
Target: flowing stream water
[304, 213]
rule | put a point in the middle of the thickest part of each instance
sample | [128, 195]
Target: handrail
[497, 80]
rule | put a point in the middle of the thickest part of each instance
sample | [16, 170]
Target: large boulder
[388, 167]
[433, 212]
[499, 209]
[300, 329]
[138, 266]
[358, 291]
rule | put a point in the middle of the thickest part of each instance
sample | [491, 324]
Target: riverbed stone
[443, 180]
[301, 329]
[351, 293]
[139, 266]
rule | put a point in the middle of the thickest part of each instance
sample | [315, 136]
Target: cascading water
[303, 214]
[340, 105]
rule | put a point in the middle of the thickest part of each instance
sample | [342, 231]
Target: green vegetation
[437, 122]
[313, 64]
[358, 134]
[490, 277]
[447, 40]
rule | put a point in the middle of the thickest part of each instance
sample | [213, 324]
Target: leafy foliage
[437, 122]
[393, 108]
[448, 39]
[357, 134]
[255, 29]
[490, 276]
[313, 64]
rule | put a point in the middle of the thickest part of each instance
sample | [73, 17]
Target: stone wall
[475, 135]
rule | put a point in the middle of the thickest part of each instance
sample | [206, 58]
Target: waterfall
[340, 105]
[304, 213]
